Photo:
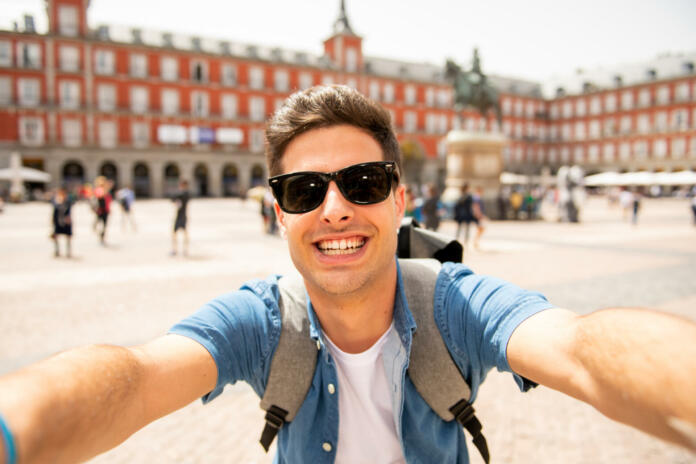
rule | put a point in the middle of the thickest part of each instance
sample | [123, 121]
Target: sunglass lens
[366, 184]
[302, 192]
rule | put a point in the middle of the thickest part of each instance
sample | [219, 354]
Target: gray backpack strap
[431, 367]
[293, 363]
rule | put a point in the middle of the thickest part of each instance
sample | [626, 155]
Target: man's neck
[355, 321]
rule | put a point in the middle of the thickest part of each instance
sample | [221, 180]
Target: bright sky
[532, 39]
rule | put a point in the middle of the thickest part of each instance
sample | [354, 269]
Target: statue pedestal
[475, 158]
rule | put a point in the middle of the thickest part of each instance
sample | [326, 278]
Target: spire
[342, 25]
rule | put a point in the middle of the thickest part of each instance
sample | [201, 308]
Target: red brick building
[149, 108]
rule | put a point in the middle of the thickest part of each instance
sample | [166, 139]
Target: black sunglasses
[362, 184]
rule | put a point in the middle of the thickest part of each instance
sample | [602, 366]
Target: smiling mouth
[341, 247]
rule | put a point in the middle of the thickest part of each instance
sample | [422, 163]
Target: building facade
[147, 109]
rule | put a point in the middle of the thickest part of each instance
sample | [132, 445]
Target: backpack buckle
[275, 416]
[463, 411]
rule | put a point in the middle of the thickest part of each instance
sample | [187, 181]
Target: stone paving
[131, 291]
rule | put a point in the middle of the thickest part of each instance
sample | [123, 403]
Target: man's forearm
[641, 368]
[73, 405]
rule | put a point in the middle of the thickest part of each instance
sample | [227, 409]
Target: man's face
[340, 247]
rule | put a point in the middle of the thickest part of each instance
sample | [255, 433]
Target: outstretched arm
[635, 366]
[83, 402]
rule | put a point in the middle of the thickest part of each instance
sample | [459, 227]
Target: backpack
[294, 361]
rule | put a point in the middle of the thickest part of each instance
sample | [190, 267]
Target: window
[170, 101]
[580, 130]
[410, 95]
[627, 100]
[277, 104]
[199, 71]
[680, 119]
[107, 134]
[31, 131]
[69, 94]
[327, 79]
[67, 20]
[306, 80]
[519, 105]
[374, 90]
[5, 53]
[663, 95]
[104, 62]
[682, 92]
[507, 128]
[609, 127]
[410, 121]
[257, 108]
[565, 155]
[693, 147]
[567, 109]
[640, 149]
[256, 140]
[389, 93]
[661, 121]
[644, 98]
[565, 132]
[595, 129]
[140, 134]
[138, 65]
[229, 74]
[608, 153]
[678, 147]
[351, 59]
[430, 123]
[352, 83]
[28, 55]
[529, 109]
[442, 125]
[581, 107]
[5, 90]
[593, 153]
[139, 99]
[199, 103]
[660, 148]
[625, 151]
[68, 58]
[29, 92]
[595, 106]
[281, 80]
[443, 98]
[578, 154]
[644, 123]
[610, 103]
[429, 96]
[626, 125]
[169, 69]
[106, 97]
[553, 156]
[71, 130]
[256, 77]
[229, 106]
[554, 112]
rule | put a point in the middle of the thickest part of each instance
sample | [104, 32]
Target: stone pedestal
[475, 158]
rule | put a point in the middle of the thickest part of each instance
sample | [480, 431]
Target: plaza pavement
[132, 291]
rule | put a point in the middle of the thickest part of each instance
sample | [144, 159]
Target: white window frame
[5, 90]
[256, 77]
[581, 107]
[106, 97]
[228, 74]
[170, 100]
[29, 91]
[68, 20]
[200, 104]
[281, 80]
[374, 90]
[69, 94]
[389, 92]
[678, 147]
[31, 131]
[306, 80]
[681, 93]
[643, 123]
[351, 59]
[137, 65]
[229, 105]
[595, 105]
[608, 152]
[627, 100]
[140, 134]
[660, 148]
[202, 65]
[5, 53]
[139, 99]
[663, 95]
[410, 94]
[256, 140]
[71, 132]
[104, 62]
[257, 109]
[429, 96]
[107, 132]
[327, 79]
[69, 58]
[626, 124]
[644, 98]
[169, 68]
[610, 103]
[28, 55]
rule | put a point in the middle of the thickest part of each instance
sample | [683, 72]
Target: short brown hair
[327, 106]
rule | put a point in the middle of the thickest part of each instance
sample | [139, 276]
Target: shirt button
[332, 389]
[327, 446]
[318, 345]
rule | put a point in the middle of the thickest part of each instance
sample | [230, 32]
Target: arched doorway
[230, 181]
[141, 180]
[171, 179]
[110, 171]
[73, 175]
[257, 176]
[200, 175]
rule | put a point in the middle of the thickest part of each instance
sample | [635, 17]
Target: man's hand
[635, 366]
[83, 402]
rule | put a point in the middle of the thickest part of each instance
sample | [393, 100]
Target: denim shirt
[475, 314]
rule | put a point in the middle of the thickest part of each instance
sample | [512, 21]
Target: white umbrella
[25, 174]
[603, 178]
[676, 178]
[638, 178]
[512, 178]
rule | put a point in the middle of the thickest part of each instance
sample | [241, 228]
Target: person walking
[637, 197]
[478, 213]
[181, 200]
[432, 208]
[102, 206]
[62, 221]
[335, 169]
[463, 213]
[126, 198]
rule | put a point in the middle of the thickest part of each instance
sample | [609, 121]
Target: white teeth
[341, 247]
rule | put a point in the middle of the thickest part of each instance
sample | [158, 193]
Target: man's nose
[335, 209]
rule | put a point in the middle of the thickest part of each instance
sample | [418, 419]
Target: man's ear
[280, 217]
[400, 201]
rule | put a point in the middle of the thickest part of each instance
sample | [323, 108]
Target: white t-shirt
[366, 429]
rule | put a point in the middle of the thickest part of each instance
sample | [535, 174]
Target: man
[181, 200]
[334, 162]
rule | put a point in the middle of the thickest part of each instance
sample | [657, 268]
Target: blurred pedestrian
[181, 199]
[516, 200]
[637, 196]
[463, 213]
[62, 221]
[626, 202]
[268, 212]
[478, 212]
[432, 209]
[102, 206]
[693, 202]
[126, 198]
